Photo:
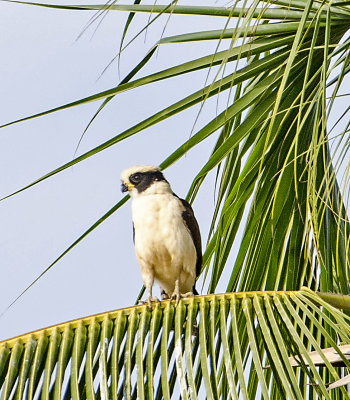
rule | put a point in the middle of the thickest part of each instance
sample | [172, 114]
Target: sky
[49, 59]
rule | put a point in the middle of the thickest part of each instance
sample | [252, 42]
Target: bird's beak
[125, 187]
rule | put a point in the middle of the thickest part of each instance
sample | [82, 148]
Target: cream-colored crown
[137, 168]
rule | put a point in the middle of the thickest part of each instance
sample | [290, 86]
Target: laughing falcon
[166, 234]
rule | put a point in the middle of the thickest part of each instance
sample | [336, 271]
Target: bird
[166, 234]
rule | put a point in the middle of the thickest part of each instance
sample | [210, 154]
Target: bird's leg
[176, 293]
[148, 282]
[150, 298]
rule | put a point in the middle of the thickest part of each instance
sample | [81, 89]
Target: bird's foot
[178, 296]
[188, 294]
[149, 301]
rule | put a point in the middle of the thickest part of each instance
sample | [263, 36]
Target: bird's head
[144, 179]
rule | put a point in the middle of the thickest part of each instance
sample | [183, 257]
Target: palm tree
[281, 330]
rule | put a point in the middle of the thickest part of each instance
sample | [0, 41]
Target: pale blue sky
[43, 66]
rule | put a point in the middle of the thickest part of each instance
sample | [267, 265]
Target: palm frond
[240, 344]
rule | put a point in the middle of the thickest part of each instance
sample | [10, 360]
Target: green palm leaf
[243, 345]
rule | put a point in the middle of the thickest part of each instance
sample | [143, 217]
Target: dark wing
[192, 225]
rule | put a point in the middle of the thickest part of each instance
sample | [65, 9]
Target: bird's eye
[135, 178]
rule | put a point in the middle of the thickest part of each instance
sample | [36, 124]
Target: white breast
[163, 244]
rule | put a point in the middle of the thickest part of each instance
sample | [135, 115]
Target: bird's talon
[177, 297]
[188, 294]
[151, 300]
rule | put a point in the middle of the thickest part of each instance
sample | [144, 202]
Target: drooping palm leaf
[238, 344]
